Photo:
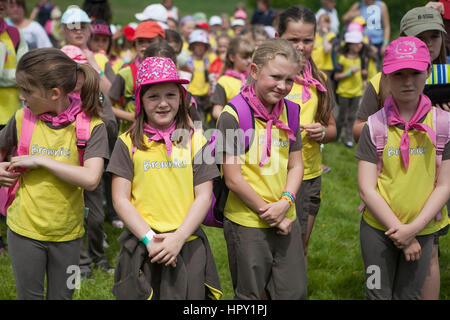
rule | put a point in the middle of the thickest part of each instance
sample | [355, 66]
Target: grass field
[335, 265]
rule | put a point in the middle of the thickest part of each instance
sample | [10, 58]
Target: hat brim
[416, 30]
[407, 64]
[141, 16]
[146, 35]
[74, 21]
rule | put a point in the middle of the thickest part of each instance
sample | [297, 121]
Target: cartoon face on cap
[406, 53]
[405, 49]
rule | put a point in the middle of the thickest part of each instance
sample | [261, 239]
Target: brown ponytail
[49, 68]
[90, 91]
[325, 99]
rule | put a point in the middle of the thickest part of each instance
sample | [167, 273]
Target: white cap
[215, 21]
[74, 14]
[354, 37]
[238, 22]
[271, 32]
[155, 12]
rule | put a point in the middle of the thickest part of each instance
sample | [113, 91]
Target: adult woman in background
[33, 32]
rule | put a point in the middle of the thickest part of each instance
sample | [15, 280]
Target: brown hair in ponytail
[49, 68]
[90, 91]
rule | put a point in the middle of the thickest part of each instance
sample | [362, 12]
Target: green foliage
[396, 8]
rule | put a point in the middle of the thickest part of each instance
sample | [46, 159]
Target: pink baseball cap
[155, 70]
[406, 53]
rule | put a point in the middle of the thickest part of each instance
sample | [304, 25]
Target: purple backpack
[215, 215]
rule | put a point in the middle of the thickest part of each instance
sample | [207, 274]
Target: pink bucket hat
[406, 53]
[155, 70]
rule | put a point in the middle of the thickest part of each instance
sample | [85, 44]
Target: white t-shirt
[34, 34]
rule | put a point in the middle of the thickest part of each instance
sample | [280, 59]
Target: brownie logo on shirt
[293, 97]
[391, 151]
[60, 152]
[175, 164]
[275, 142]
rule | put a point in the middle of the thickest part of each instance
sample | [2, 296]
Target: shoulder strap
[378, 134]
[441, 124]
[26, 133]
[14, 34]
[82, 128]
[133, 72]
[246, 118]
[293, 113]
[28, 123]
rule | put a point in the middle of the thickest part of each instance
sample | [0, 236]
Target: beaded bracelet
[290, 193]
[288, 199]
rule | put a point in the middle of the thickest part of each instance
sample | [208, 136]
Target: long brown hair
[136, 130]
[49, 68]
[325, 99]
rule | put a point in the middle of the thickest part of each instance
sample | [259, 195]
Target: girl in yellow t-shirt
[405, 198]
[355, 66]
[235, 72]
[315, 97]
[161, 193]
[199, 64]
[45, 219]
[263, 237]
[323, 45]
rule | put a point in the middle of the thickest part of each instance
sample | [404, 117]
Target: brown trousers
[261, 261]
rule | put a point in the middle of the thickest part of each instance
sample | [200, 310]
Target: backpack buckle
[81, 143]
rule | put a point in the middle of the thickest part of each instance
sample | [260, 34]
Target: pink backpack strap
[7, 195]
[441, 124]
[26, 133]
[377, 124]
[82, 128]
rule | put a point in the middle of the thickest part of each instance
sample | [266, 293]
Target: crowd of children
[111, 124]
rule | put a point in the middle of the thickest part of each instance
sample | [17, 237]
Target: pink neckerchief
[3, 26]
[68, 115]
[237, 75]
[161, 135]
[307, 81]
[393, 118]
[249, 95]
